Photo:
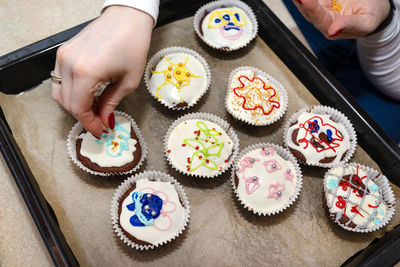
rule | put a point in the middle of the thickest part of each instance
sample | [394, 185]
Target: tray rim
[41, 56]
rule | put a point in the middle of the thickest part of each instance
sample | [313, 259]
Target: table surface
[35, 21]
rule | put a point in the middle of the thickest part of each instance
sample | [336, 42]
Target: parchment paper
[220, 231]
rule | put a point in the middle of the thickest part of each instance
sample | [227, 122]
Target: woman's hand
[112, 48]
[355, 19]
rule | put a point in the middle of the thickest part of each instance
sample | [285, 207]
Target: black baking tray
[34, 62]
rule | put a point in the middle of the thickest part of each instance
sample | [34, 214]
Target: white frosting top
[178, 78]
[253, 98]
[311, 128]
[227, 27]
[266, 180]
[114, 149]
[167, 224]
[366, 209]
[199, 147]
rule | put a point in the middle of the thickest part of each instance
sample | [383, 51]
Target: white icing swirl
[266, 182]
[199, 156]
[110, 155]
[338, 146]
[366, 209]
[151, 234]
[168, 90]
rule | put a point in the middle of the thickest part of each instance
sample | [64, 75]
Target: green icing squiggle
[203, 152]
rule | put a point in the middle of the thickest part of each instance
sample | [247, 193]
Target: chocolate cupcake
[201, 145]
[320, 136]
[358, 198]
[266, 178]
[226, 25]
[149, 210]
[177, 77]
[119, 151]
[255, 97]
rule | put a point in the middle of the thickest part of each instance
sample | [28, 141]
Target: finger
[111, 97]
[66, 85]
[82, 97]
[350, 27]
[317, 14]
[55, 87]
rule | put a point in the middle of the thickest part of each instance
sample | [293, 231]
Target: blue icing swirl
[332, 184]
[147, 208]
[376, 221]
[374, 188]
[123, 140]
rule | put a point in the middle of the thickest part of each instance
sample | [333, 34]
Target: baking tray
[37, 60]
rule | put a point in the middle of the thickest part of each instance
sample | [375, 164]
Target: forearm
[379, 56]
[148, 6]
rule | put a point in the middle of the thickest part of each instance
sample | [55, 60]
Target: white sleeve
[379, 56]
[148, 6]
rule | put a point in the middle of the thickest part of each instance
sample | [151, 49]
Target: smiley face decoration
[227, 28]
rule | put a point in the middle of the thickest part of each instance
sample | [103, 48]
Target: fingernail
[97, 137]
[111, 121]
[105, 131]
[299, 1]
[336, 33]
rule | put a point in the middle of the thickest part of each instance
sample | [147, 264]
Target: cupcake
[255, 97]
[119, 151]
[266, 178]
[201, 145]
[177, 77]
[149, 209]
[226, 25]
[358, 198]
[320, 136]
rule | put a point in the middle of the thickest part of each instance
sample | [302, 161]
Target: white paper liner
[387, 194]
[170, 50]
[77, 130]
[334, 115]
[208, 117]
[225, 3]
[126, 185]
[274, 83]
[285, 154]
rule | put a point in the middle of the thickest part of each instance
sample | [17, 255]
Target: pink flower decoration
[288, 176]
[276, 190]
[168, 207]
[247, 162]
[252, 184]
[272, 165]
[269, 151]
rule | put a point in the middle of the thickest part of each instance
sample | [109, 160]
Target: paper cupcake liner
[387, 194]
[276, 84]
[224, 3]
[285, 154]
[209, 117]
[336, 116]
[126, 185]
[78, 128]
[170, 50]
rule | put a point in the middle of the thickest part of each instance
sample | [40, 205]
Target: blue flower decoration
[147, 208]
[374, 188]
[332, 184]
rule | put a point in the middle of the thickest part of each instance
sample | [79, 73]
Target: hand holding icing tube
[112, 48]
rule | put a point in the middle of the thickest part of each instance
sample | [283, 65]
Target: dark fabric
[340, 58]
